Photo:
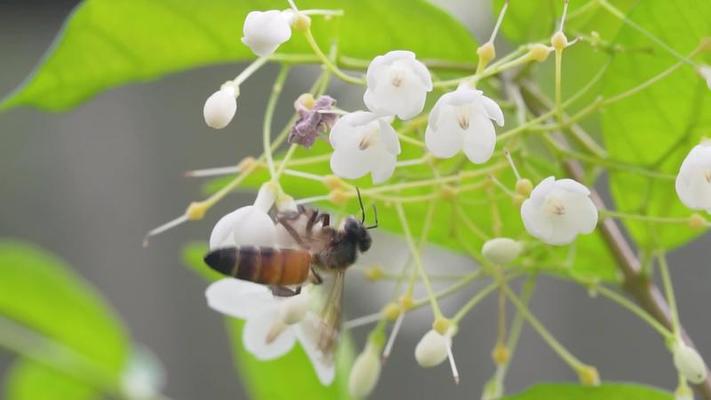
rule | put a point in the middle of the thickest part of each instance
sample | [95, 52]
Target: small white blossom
[461, 121]
[248, 225]
[558, 211]
[432, 349]
[693, 182]
[364, 143]
[220, 107]
[365, 372]
[689, 363]
[397, 84]
[705, 72]
[264, 31]
[501, 250]
[273, 324]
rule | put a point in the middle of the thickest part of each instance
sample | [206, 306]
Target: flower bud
[559, 40]
[486, 53]
[500, 354]
[391, 311]
[301, 22]
[493, 390]
[697, 221]
[432, 349]
[373, 273]
[406, 302]
[539, 52]
[220, 107]
[524, 187]
[365, 372]
[196, 210]
[689, 363]
[338, 197]
[294, 308]
[588, 376]
[442, 325]
[501, 250]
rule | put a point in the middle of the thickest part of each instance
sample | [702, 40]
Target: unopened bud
[501, 250]
[432, 349]
[373, 273]
[406, 302]
[518, 199]
[196, 210]
[493, 390]
[365, 372]
[559, 41]
[697, 221]
[524, 187]
[486, 53]
[294, 308]
[448, 192]
[301, 22]
[333, 182]
[588, 376]
[539, 52]
[500, 354]
[689, 363]
[338, 197]
[391, 311]
[442, 325]
[246, 164]
[220, 107]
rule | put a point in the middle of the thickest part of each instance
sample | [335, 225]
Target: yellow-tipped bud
[500, 354]
[588, 376]
[333, 182]
[373, 273]
[338, 197]
[697, 221]
[441, 325]
[559, 41]
[196, 210]
[518, 199]
[306, 100]
[391, 311]
[406, 302]
[486, 53]
[365, 372]
[246, 164]
[539, 52]
[302, 22]
[524, 187]
[448, 192]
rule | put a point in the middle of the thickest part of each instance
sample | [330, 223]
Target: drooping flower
[248, 225]
[273, 324]
[705, 72]
[264, 31]
[558, 211]
[314, 119]
[501, 250]
[693, 182]
[365, 372]
[461, 121]
[220, 107]
[364, 143]
[397, 84]
[689, 363]
[432, 349]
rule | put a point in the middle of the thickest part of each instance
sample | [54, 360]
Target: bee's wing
[331, 315]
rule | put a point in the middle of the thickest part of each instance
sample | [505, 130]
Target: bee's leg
[292, 232]
[324, 219]
[283, 291]
[316, 278]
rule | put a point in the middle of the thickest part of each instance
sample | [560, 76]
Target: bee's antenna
[362, 208]
[375, 215]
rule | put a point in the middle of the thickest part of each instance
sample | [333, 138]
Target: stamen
[565, 13]
[499, 21]
[507, 154]
[364, 320]
[463, 117]
[453, 365]
[168, 225]
[202, 173]
[391, 339]
[555, 206]
[707, 176]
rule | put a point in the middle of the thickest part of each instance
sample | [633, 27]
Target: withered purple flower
[314, 119]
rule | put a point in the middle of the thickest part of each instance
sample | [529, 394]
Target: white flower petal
[350, 163]
[254, 228]
[541, 190]
[308, 331]
[444, 143]
[479, 141]
[705, 72]
[693, 182]
[220, 108]
[239, 299]
[535, 221]
[432, 349]
[493, 110]
[257, 331]
[389, 138]
[382, 166]
[264, 31]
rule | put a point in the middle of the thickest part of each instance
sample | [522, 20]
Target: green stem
[268, 116]
[328, 63]
[635, 309]
[476, 299]
[669, 292]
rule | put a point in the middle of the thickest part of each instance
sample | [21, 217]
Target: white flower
[264, 31]
[365, 372]
[501, 250]
[220, 107]
[248, 225]
[559, 210]
[397, 84]
[705, 72]
[693, 183]
[364, 142]
[273, 324]
[461, 121]
[689, 363]
[432, 349]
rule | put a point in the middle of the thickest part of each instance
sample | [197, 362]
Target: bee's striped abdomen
[265, 265]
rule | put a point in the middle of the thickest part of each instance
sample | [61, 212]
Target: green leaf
[28, 380]
[41, 294]
[657, 127]
[105, 44]
[295, 374]
[606, 391]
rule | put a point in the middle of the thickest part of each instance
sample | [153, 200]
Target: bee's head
[357, 232]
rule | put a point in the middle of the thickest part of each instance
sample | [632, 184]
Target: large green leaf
[106, 43]
[607, 391]
[657, 127]
[295, 374]
[28, 380]
[40, 293]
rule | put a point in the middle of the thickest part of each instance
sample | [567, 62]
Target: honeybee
[320, 248]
